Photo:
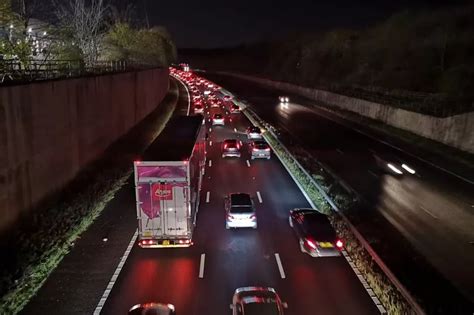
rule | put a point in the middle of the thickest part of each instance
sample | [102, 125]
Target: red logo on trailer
[162, 192]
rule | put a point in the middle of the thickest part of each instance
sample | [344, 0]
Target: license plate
[325, 245]
[261, 154]
[166, 242]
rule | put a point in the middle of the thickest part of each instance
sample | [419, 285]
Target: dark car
[315, 233]
[257, 301]
[392, 165]
[152, 309]
[234, 109]
[231, 147]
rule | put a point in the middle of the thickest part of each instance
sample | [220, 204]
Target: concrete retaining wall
[50, 130]
[456, 131]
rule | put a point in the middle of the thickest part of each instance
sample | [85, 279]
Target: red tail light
[267, 149]
[230, 216]
[311, 244]
[254, 149]
[225, 146]
[253, 217]
[339, 244]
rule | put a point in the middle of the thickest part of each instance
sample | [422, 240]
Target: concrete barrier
[456, 131]
[50, 130]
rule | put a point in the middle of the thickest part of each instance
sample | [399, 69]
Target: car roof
[240, 199]
[318, 226]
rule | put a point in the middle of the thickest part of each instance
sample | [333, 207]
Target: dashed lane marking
[201, 266]
[280, 266]
[427, 211]
[259, 197]
[208, 195]
[248, 163]
[210, 163]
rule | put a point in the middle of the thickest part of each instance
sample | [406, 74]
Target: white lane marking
[366, 286]
[373, 174]
[235, 129]
[340, 151]
[259, 197]
[201, 266]
[210, 143]
[280, 266]
[427, 211]
[203, 121]
[208, 195]
[109, 287]
[248, 163]
[210, 129]
[210, 163]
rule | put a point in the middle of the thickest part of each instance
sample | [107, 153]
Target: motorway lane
[241, 257]
[432, 209]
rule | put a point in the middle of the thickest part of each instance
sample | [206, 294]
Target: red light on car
[267, 149]
[254, 149]
[225, 146]
[253, 217]
[339, 244]
[230, 216]
[311, 244]
[137, 162]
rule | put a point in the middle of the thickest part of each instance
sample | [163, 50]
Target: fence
[32, 70]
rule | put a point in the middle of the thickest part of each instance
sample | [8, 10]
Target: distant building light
[11, 25]
[30, 30]
[45, 33]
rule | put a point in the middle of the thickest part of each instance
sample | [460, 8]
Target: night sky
[212, 23]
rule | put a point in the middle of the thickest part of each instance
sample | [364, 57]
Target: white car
[218, 120]
[240, 211]
[284, 99]
[254, 133]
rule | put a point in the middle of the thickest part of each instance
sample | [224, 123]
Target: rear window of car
[230, 142]
[254, 129]
[261, 309]
[241, 209]
[260, 145]
[218, 116]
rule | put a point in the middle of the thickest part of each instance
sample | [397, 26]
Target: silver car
[257, 301]
[240, 211]
[152, 309]
[259, 149]
[231, 148]
[254, 132]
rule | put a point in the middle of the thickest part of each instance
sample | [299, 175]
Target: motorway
[432, 209]
[232, 258]
[201, 279]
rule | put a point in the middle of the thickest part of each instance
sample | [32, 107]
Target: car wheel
[255, 227]
[227, 227]
[268, 158]
[290, 221]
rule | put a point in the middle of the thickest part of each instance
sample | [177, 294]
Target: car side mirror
[284, 304]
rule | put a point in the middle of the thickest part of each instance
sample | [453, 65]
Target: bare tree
[86, 22]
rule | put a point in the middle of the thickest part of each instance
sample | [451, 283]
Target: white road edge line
[280, 266]
[259, 197]
[364, 283]
[201, 266]
[210, 163]
[248, 163]
[111, 283]
[187, 91]
[429, 212]
[208, 195]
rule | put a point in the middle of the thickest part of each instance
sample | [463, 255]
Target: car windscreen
[241, 209]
